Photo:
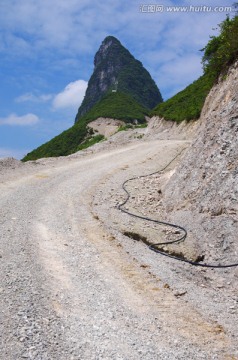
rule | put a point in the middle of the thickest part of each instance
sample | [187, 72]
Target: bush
[222, 50]
[91, 141]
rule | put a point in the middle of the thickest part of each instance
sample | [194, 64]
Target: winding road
[68, 287]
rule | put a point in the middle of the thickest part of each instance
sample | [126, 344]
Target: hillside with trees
[219, 54]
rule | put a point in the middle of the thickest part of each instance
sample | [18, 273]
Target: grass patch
[90, 142]
[141, 126]
[131, 126]
[125, 127]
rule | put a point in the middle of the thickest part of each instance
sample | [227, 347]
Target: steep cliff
[202, 194]
[115, 67]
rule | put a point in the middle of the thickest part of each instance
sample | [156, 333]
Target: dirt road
[70, 289]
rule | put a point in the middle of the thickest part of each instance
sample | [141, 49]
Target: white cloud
[175, 75]
[71, 96]
[30, 97]
[73, 29]
[78, 26]
[25, 120]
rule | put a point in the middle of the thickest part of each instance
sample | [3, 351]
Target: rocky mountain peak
[115, 67]
[109, 44]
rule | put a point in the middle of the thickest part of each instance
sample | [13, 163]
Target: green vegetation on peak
[116, 67]
[114, 105]
[187, 104]
[117, 105]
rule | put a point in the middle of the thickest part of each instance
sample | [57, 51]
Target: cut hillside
[202, 194]
[114, 105]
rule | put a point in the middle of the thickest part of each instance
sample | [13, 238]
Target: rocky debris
[9, 163]
[92, 299]
[9, 167]
[117, 140]
[211, 292]
[105, 126]
[159, 128]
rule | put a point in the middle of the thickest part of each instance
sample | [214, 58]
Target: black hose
[182, 238]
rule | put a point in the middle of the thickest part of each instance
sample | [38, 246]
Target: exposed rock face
[114, 63]
[203, 192]
[105, 126]
[159, 128]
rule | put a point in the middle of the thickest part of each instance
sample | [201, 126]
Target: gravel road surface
[73, 287]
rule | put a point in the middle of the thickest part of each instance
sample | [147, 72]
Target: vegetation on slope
[137, 82]
[113, 105]
[220, 52]
[90, 141]
[187, 104]
[64, 144]
[117, 106]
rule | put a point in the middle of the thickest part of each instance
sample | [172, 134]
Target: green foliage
[187, 104]
[222, 50]
[141, 126]
[90, 141]
[125, 127]
[131, 126]
[117, 106]
[137, 82]
[64, 144]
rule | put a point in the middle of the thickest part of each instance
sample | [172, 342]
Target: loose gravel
[74, 287]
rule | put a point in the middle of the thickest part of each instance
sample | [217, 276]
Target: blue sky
[47, 49]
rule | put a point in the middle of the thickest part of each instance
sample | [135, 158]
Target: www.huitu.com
[156, 8]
